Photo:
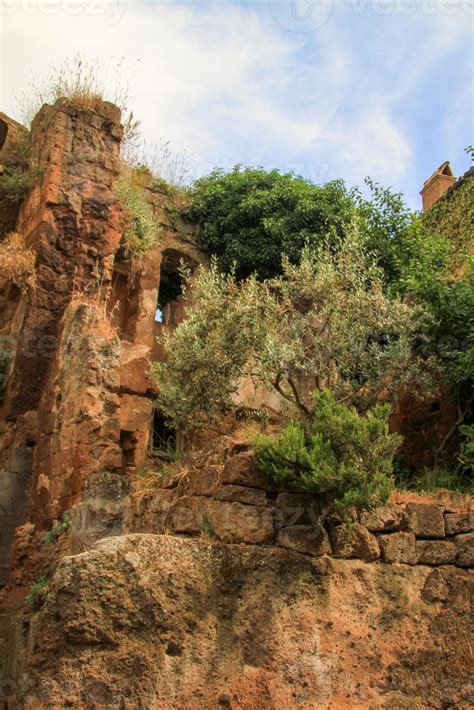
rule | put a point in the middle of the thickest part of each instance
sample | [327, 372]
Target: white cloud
[227, 83]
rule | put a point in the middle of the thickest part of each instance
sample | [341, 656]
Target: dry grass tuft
[96, 299]
[17, 263]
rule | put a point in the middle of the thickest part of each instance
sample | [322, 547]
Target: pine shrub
[342, 455]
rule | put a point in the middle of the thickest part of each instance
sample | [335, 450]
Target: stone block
[424, 520]
[385, 518]
[228, 521]
[436, 587]
[398, 547]
[354, 540]
[242, 470]
[241, 494]
[456, 523]
[435, 552]
[295, 509]
[465, 548]
[205, 481]
[305, 539]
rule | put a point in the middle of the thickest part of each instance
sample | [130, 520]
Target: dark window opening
[171, 286]
[163, 438]
[171, 281]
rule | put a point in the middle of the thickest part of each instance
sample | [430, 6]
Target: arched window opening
[171, 284]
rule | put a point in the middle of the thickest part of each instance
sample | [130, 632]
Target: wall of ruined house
[78, 399]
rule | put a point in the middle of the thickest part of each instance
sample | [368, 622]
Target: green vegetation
[452, 219]
[37, 594]
[325, 322]
[206, 527]
[345, 457]
[62, 526]
[431, 479]
[17, 179]
[291, 299]
[466, 454]
[142, 230]
[250, 218]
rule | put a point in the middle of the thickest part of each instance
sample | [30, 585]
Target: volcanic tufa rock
[147, 621]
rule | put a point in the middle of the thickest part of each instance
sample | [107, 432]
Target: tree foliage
[323, 324]
[345, 457]
[249, 218]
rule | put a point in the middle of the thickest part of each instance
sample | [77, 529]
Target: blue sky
[328, 88]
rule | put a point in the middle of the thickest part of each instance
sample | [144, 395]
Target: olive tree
[324, 324]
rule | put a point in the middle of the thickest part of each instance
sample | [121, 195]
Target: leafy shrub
[141, 232]
[17, 263]
[250, 218]
[344, 456]
[60, 527]
[38, 592]
[17, 179]
[325, 323]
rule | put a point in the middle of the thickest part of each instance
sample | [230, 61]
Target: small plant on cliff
[142, 230]
[38, 592]
[60, 527]
[18, 177]
[17, 262]
[345, 457]
[324, 324]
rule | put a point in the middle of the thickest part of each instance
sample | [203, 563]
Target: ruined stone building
[133, 624]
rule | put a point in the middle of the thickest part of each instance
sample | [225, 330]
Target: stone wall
[222, 494]
[155, 621]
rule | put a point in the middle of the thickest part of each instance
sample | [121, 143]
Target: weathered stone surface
[354, 540]
[306, 539]
[435, 552]
[398, 547]
[385, 518]
[241, 494]
[93, 520]
[459, 522]
[205, 481]
[465, 548]
[149, 512]
[242, 470]
[436, 587]
[425, 520]
[160, 622]
[295, 509]
[229, 522]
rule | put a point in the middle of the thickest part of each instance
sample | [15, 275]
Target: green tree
[324, 324]
[249, 218]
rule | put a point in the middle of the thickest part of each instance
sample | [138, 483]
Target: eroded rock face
[159, 622]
